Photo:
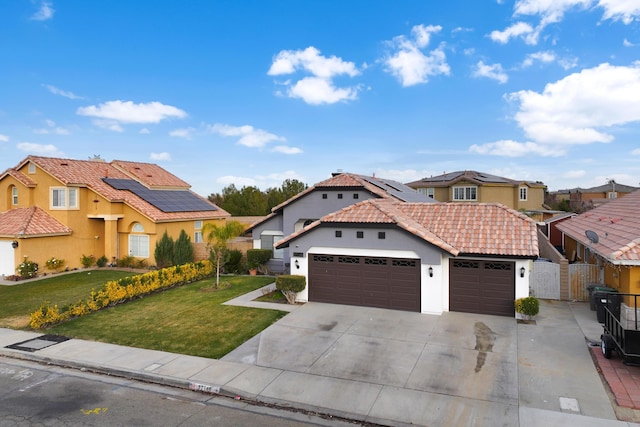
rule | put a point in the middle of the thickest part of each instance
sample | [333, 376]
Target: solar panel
[165, 200]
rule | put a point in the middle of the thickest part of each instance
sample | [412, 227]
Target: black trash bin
[596, 287]
[610, 300]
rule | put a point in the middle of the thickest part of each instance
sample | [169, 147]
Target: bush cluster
[27, 269]
[120, 291]
[258, 257]
[87, 260]
[290, 285]
[168, 252]
[528, 306]
[54, 263]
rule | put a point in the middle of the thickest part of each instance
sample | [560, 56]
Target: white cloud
[319, 88]
[44, 13]
[164, 156]
[621, 10]
[248, 135]
[238, 181]
[111, 125]
[493, 71]
[32, 148]
[182, 133]
[574, 174]
[128, 112]
[516, 30]
[51, 129]
[316, 91]
[509, 148]
[4, 138]
[261, 181]
[550, 11]
[409, 64]
[575, 109]
[568, 63]
[56, 91]
[635, 152]
[544, 57]
[144, 131]
[286, 149]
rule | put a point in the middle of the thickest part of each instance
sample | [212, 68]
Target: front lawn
[19, 300]
[189, 319]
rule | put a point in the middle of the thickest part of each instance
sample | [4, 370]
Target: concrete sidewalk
[557, 383]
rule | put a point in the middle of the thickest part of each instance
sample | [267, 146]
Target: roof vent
[64, 164]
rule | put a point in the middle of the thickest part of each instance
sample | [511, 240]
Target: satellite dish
[592, 236]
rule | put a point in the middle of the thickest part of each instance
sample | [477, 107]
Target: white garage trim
[7, 258]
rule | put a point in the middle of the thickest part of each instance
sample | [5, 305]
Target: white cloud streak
[4, 138]
[44, 12]
[493, 71]
[247, 135]
[128, 112]
[40, 149]
[284, 149]
[56, 91]
[164, 156]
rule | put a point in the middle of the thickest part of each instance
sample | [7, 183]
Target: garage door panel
[365, 281]
[477, 286]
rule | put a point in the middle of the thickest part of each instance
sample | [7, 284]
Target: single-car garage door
[365, 281]
[486, 287]
[7, 267]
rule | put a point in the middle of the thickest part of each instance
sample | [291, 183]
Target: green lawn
[20, 300]
[188, 319]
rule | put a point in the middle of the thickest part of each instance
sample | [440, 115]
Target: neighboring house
[424, 257]
[549, 228]
[337, 192]
[584, 199]
[67, 208]
[615, 241]
[472, 186]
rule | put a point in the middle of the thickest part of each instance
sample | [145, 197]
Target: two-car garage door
[365, 281]
[486, 287]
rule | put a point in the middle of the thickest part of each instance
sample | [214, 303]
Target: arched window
[14, 195]
[138, 243]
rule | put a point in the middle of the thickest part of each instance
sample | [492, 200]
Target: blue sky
[255, 92]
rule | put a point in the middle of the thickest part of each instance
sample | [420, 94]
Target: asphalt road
[36, 395]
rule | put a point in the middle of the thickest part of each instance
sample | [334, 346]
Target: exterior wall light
[297, 264]
[522, 270]
[14, 244]
[430, 271]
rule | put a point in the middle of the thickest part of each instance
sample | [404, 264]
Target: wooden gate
[545, 280]
[580, 275]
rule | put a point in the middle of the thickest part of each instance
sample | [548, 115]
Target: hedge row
[117, 292]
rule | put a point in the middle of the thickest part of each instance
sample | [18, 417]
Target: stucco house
[423, 257]
[472, 186]
[66, 208]
[609, 237]
[584, 199]
[341, 190]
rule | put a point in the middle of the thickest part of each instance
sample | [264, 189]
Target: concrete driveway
[462, 355]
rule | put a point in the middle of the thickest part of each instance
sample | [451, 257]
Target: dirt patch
[15, 322]
[485, 339]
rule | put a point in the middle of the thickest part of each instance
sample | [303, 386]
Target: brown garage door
[486, 287]
[365, 281]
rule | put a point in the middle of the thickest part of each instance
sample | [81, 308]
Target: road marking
[22, 375]
[94, 411]
[49, 378]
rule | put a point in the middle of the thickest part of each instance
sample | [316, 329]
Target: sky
[256, 92]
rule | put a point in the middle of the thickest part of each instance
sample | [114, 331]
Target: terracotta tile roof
[458, 228]
[19, 176]
[617, 224]
[150, 174]
[89, 173]
[30, 222]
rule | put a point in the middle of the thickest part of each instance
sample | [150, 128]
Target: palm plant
[218, 236]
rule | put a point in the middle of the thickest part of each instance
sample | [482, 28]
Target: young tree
[164, 251]
[182, 249]
[217, 238]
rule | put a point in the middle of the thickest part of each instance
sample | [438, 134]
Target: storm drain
[35, 344]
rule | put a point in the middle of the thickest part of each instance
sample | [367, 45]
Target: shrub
[117, 292]
[528, 307]
[182, 249]
[54, 263]
[164, 251]
[102, 261]
[233, 262]
[27, 269]
[126, 261]
[87, 260]
[256, 258]
[290, 285]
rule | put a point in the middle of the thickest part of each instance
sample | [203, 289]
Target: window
[523, 193]
[32, 168]
[14, 195]
[63, 198]
[339, 195]
[612, 195]
[465, 193]
[138, 243]
[355, 196]
[197, 237]
[382, 235]
[197, 225]
[324, 195]
[429, 192]
[338, 233]
[267, 241]
[360, 234]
